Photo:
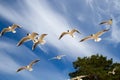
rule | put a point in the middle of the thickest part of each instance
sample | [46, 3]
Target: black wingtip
[37, 60]
[100, 23]
[81, 41]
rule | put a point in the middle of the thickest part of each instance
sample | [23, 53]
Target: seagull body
[39, 40]
[10, 29]
[57, 57]
[79, 77]
[28, 67]
[95, 36]
[108, 22]
[112, 72]
[28, 37]
[69, 32]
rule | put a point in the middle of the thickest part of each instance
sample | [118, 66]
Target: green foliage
[96, 67]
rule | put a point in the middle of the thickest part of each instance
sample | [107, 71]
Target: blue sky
[53, 17]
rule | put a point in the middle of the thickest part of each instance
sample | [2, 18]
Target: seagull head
[68, 31]
[28, 34]
[92, 34]
[111, 19]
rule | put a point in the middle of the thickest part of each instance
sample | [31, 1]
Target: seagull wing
[86, 38]
[22, 68]
[33, 35]
[23, 40]
[101, 32]
[33, 62]
[104, 22]
[64, 33]
[4, 30]
[14, 26]
[74, 30]
[114, 69]
[42, 36]
[34, 45]
[52, 58]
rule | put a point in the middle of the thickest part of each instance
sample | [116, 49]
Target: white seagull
[95, 36]
[27, 38]
[39, 40]
[10, 29]
[71, 33]
[113, 71]
[57, 57]
[108, 22]
[28, 67]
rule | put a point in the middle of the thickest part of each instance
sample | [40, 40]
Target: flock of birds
[36, 39]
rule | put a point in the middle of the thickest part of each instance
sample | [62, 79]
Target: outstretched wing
[23, 40]
[34, 45]
[64, 33]
[104, 22]
[4, 30]
[42, 36]
[74, 30]
[101, 32]
[22, 68]
[14, 26]
[114, 68]
[52, 58]
[33, 62]
[86, 38]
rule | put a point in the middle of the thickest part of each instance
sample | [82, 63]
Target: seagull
[108, 22]
[28, 37]
[95, 36]
[113, 71]
[10, 29]
[69, 32]
[28, 67]
[79, 77]
[40, 40]
[57, 57]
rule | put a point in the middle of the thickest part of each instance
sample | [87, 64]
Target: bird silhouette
[39, 40]
[28, 67]
[71, 33]
[28, 37]
[9, 29]
[95, 36]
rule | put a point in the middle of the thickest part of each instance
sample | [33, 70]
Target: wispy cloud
[43, 19]
[12, 57]
[8, 63]
[39, 16]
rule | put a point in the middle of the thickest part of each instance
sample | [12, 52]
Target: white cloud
[12, 57]
[38, 16]
[41, 18]
[9, 64]
[115, 37]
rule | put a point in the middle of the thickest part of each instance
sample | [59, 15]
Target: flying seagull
[28, 67]
[69, 32]
[10, 29]
[39, 40]
[95, 36]
[108, 22]
[79, 77]
[57, 57]
[28, 37]
[113, 71]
